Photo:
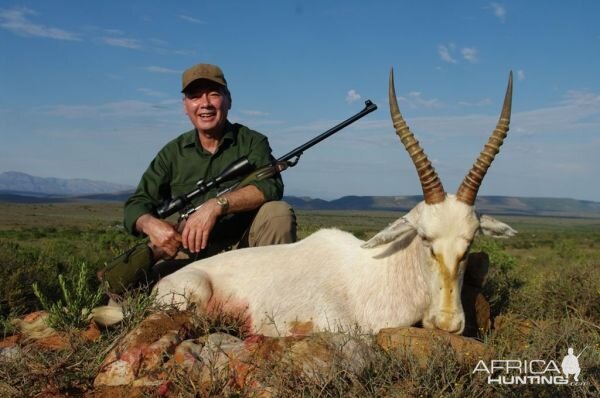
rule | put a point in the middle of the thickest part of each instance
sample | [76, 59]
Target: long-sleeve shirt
[182, 162]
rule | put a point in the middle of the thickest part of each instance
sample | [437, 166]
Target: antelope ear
[489, 226]
[400, 228]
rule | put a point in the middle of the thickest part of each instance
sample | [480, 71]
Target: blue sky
[91, 89]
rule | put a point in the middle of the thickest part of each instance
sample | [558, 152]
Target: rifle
[135, 264]
[242, 166]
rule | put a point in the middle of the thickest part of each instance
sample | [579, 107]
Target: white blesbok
[410, 272]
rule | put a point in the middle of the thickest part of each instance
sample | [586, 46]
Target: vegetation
[78, 300]
[543, 287]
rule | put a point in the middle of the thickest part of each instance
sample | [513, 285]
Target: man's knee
[275, 223]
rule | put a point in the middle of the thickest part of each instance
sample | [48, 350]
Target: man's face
[207, 105]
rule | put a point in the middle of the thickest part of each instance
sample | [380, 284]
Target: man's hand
[199, 226]
[162, 234]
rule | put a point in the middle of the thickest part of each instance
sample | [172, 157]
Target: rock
[188, 354]
[119, 373]
[421, 344]
[10, 341]
[11, 353]
[140, 355]
[33, 326]
[240, 364]
[55, 342]
[151, 357]
[92, 333]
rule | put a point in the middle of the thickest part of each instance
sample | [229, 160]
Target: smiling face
[207, 105]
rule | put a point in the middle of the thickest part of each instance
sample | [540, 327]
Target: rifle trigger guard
[294, 161]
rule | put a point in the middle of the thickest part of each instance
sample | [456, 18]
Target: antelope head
[444, 225]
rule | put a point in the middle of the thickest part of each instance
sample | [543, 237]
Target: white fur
[333, 279]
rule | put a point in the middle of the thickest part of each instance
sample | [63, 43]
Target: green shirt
[182, 162]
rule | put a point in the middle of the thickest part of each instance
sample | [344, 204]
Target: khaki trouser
[273, 223]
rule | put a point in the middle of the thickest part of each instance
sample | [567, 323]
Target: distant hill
[507, 205]
[18, 187]
[499, 205]
[25, 184]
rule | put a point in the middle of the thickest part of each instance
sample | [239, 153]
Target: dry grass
[544, 286]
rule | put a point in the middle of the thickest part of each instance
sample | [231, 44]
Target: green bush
[25, 260]
[77, 301]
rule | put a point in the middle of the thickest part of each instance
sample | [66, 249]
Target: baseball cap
[202, 71]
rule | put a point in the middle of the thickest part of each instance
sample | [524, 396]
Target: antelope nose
[449, 324]
[457, 328]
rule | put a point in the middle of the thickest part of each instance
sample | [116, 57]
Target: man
[250, 216]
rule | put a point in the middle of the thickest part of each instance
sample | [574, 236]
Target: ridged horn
[467, 192]
[433, 191]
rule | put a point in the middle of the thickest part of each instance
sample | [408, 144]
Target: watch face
[221, 201]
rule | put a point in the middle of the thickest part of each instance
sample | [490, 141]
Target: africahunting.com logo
[536, 371]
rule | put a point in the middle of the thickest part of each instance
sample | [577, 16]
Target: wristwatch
[223, 203]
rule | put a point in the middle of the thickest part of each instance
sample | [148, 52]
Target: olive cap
[202, 71]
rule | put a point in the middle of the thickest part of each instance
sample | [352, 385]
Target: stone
[139, 357]
[420, 344]
[119, 373]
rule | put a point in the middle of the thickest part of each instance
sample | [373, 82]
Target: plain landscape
[543, 284]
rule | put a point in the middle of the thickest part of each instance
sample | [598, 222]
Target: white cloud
[577, 114]
[124, 42]
[582, 99]
[16, 21]
[124, 109]
[470, 54]
[160, 69]
[499, 11]
[352, 96]
[415, 99]
[521, 74]
[190, 19]
[444, 52]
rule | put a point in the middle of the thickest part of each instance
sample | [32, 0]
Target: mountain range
[14, 181]
[19, 187]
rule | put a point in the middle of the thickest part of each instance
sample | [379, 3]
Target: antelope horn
[467, 192]
[433, 191]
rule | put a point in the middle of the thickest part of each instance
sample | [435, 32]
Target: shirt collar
[191, 137]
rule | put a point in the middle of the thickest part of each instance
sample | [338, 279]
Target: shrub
[78, 298]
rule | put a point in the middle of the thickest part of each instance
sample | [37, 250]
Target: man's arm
[200, 224]
[161, 233]
[151, 190]
[140, 208]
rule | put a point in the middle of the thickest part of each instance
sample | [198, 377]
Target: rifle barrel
[369, 107]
